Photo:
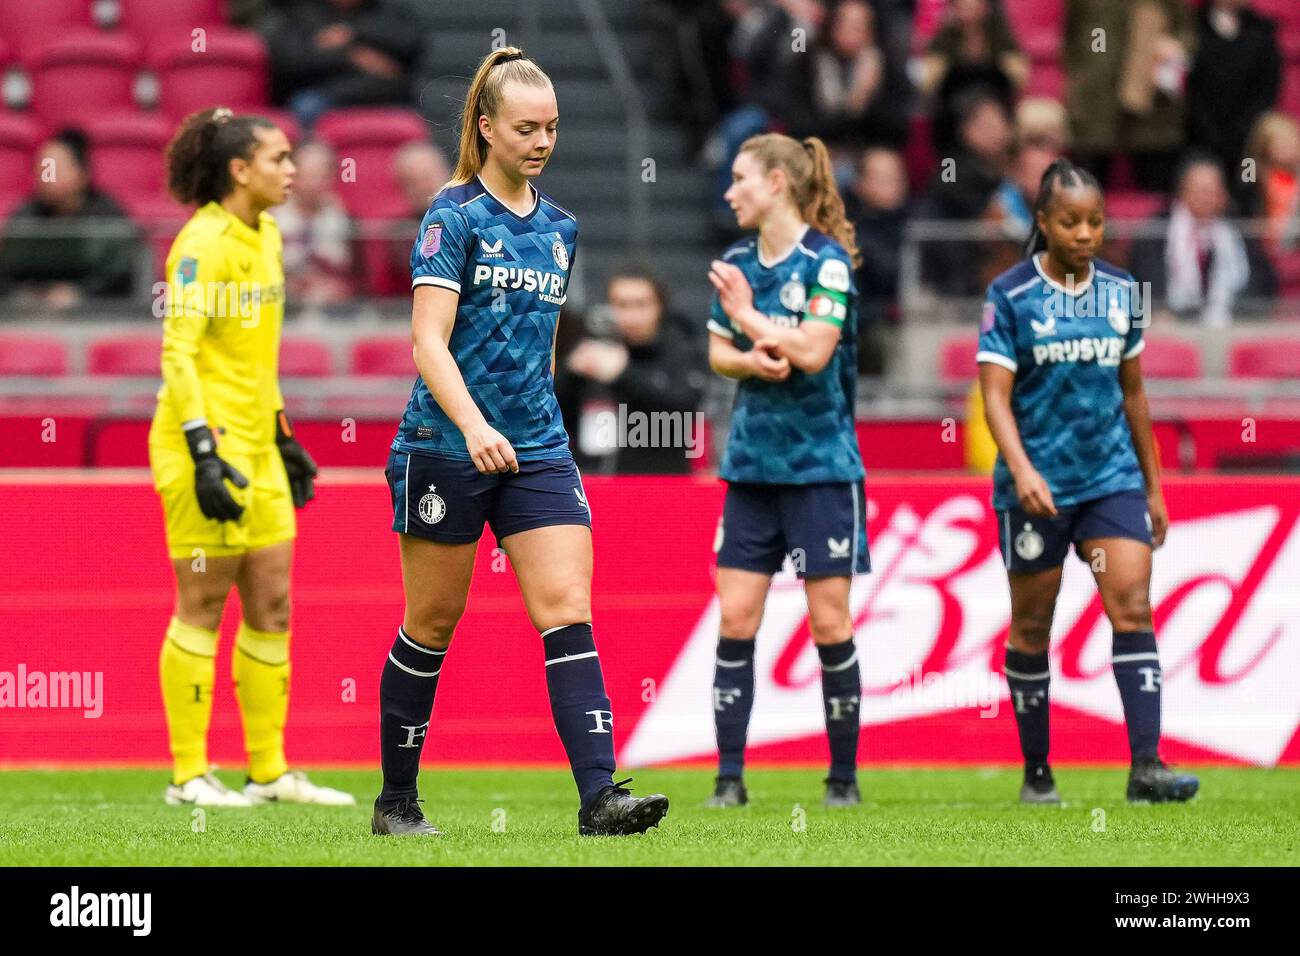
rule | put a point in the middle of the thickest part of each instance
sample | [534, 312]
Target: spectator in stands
[421, 170]
[877, 205]
[1042, 122]
[1234, 79]
[1128, 99]
[652, 362]
[1013, 202]
[61, 268]
[973, 49]
[1274, 150]
[1203, 267]
[318, 257]
[857, 96]
[328, 53]
[1012, 208]
[763, 46]
[962, 189]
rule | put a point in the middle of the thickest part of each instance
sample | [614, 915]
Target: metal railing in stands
[616, 64]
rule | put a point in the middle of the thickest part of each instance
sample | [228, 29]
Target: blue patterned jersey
[512, 273]
[799, 431]
[1067, 400]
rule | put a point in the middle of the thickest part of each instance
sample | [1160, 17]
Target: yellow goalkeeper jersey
[224, 307]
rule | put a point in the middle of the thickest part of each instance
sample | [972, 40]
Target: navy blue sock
[841, 692]
[1137, 672]
[1028, 677]
[406, 691]
[733, 699]
[580, 706]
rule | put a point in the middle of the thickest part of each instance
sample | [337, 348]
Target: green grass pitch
[528, 817]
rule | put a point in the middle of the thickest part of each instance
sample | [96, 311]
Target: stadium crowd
[944, 112]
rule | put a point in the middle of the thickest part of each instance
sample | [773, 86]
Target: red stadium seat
[1165, 357]
[28, 23]
[1046, 79]
[1265, 358]
[77, 75]
[23, 354]
[229, 71]
[153, 20]
[1287, 268]
[305, 358]
[957, 359]
[370, 137]
[1038, 25]
[1134, 204]
[383, 355]
[135, 354]
[126, 151]
[18, 140]
[285, 120]
[1289, 99]
[918, 154]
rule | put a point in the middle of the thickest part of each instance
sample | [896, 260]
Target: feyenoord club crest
[432, 507]
[793, 295]
[560, 254]
[1029, 543]
[1117, 318]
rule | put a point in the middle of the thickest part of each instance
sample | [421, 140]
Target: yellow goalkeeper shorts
[268, 516]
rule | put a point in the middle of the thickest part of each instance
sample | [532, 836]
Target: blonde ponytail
[807, 167]
[484, 98]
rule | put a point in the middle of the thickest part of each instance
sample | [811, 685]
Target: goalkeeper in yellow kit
[224, 458]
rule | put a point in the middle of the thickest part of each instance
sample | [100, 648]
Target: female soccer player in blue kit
[1077, 463]
[482, 441]
[784, 324]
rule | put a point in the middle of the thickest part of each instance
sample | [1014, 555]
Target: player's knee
[830, 627]
[1131, 611]
[739, 620]
[202, 609]
[271, 612]
[1031, 633]
[433, 628]
[562, 604]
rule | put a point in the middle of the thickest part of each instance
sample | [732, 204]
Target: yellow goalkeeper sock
[260, 667]
[186, 669]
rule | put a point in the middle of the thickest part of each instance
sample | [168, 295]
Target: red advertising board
[85, 588]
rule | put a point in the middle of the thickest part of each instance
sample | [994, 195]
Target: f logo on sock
[1150, 679]
[725, 697]
[604, 721]
[412, 733]
[839, 706]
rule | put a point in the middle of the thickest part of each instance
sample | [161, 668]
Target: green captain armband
[827, 305]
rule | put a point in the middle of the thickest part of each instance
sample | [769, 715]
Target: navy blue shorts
[445, 499]
[1035, 544]
[823, 527]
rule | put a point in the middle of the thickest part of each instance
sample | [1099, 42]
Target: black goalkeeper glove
[210, 476]
[297, 463]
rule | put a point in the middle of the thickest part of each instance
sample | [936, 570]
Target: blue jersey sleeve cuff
[996, 358]
[1136, 349]
[721, 330]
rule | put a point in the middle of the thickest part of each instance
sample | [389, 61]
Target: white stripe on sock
[1019, 676]
[571, 657]
[841, 667]
[410, 670]
[423, 650]
[722, 663]
[1144, 656]
[552, 630]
